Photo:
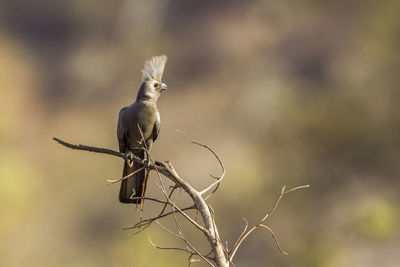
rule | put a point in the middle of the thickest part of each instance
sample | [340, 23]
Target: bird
[143, 114]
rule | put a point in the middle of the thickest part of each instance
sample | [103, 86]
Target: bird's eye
[155, 84]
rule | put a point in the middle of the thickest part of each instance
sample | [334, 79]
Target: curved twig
[125, 177]
[245, 234]
[221, 256]
[218, 179]
[182, 236]
[274, 237]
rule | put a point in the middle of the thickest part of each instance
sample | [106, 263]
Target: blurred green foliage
[377, 219]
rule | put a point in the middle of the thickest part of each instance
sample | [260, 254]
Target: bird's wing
[156, 128]
[121, 130]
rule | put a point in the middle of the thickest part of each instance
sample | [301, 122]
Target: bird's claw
[146, 163]
[129, 159]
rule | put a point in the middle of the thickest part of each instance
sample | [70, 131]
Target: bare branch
[168, 248]
[187, 242]
[149, 221]
[167, 230]
[166, 203]
[283, 192]
[139, 231]
[150, 198]
[245, 234]
[181, 236]
[274, 237]
[221, 256]
[296, 188]
[164, 188]
[218, 179]
[216, 229]
[173, 204]
[201, 228]
[91, 148]
[125, 177]
[164, 169]
[204, 210]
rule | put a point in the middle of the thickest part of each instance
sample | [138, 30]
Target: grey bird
[142, 113]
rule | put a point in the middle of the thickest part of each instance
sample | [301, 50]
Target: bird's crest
[154, 68]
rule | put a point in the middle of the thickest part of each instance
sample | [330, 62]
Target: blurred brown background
[288, 93]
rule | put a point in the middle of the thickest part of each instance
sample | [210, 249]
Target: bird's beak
[164, 87]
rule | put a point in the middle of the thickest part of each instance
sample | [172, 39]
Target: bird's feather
[154, 68]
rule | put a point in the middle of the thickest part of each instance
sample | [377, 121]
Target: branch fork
[221, 256]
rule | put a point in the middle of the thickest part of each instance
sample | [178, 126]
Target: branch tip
[221, 255]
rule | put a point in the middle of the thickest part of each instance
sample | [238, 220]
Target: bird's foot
[146, 163]
[129, 159]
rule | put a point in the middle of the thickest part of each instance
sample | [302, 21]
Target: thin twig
[274, 237]
[168, 248]
[125, 177]
[167, 230]
[192, 250]
[139, 231]
[192, 193]
[149, 221]
[218, 179]
[150, 158]
[221, 255]
[164, 188]
[91, 148]
[245, 234]
[187, 242]
[149, 198]
[167, 203]
[296, 188]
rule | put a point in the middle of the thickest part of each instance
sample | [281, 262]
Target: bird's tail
[135, 185]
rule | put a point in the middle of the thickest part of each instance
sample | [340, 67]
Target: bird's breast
[143, 115]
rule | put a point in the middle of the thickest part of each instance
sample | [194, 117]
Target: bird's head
[152, 85]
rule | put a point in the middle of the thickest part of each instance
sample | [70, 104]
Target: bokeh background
[287, 92]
